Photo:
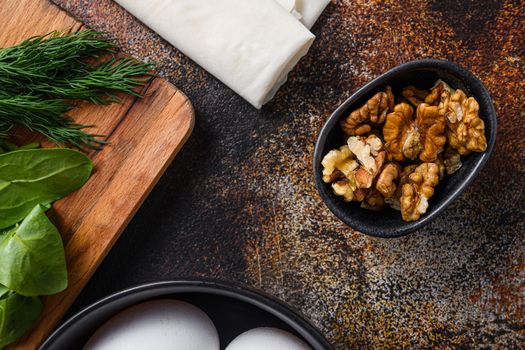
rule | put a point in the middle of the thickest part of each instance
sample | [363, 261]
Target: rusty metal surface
[239, 202]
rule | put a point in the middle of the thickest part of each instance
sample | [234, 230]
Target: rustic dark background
[239, 202]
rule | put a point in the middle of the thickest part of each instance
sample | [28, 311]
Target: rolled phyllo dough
[250, 45]
[307, 11]
[289, 5]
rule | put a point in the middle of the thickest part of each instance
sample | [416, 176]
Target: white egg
[159, 324]
[266, 338]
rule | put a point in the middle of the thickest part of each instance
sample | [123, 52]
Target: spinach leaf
[17, 315]
[6, 146]
[32, 256]
[3, 291]
[38, 176]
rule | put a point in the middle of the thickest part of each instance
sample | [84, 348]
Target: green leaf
[38, 176]
[17, 315]
[32, 145]
[32, 256]
[3, 291]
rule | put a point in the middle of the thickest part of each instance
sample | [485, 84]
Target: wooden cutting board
[145, 136]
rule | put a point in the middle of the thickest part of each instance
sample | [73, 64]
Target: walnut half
[386, 181]
[418, 190]
[432, 123]
[403, 179]
[466, 130]
[398, 129]
[373, 111]
[338, 161]
[434, 98]
[339, 169]
[371, 157]
[409, 138]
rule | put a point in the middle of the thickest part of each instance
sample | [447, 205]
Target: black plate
[232, 309]
[422, 74]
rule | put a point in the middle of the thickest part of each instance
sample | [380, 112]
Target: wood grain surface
[145, 136]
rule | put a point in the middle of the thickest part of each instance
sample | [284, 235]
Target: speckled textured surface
[239, 203]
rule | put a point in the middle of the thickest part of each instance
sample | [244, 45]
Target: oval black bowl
[232, 309]
[423, 74]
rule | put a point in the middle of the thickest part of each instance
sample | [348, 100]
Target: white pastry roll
[307, 11]
[251, 46]
[289, 5]
[310, 10]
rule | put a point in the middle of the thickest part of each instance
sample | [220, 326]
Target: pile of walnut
[397, 153]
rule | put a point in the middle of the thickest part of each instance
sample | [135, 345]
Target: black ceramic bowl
[422, 74]
[232, 309]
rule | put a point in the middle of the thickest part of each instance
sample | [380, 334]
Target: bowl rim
[284, 312]
[333, 120]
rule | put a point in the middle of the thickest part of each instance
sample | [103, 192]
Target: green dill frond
[42, 77]
[47, 117]
[98, 84]
[48, 56]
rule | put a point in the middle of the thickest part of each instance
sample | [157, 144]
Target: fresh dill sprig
[48, 56]
[96, 84]
[47, 117]
[42, 77]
